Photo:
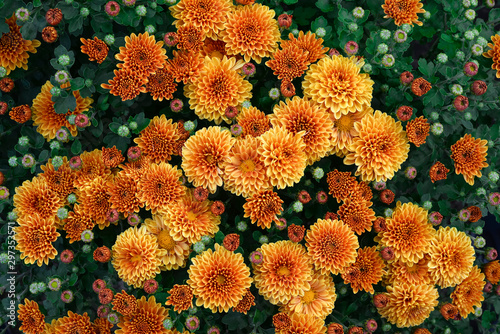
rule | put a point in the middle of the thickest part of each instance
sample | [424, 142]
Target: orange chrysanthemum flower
[102, 326]
[176, 252]
[318, 301]
[148, 318]
[219, 279]
[288, 63]
[304, 323]
[438, 172]
[244, 172]
[34, 237]
[158, 139]
[420, 86]
[96, 49]
[413, 273]
[469, 155]
[123, 194]
[142, 55]
[160, 186]
[408, 232]
[300, 114]
[475, 213]
[20, 114]
[403, 11]
[124, 303]
[331, 245]
[213, 48]
[136, 168]
[494, 53]
[469, 293]
[74, 323]
[451, 257]
[190, 38]
[366, 271]
[409, 305]
[203, 156]
[308, 43]
[356, 213]
[344, 131]
[78, 221]
[449, 311]
[47, 120]
[417, 130]
[337, 84]
[364, 191]
[380, 149]
[126, 84]
[253, 122]
[136, 256]
[217, 87]
[35, 197]
[181, 298]
[112, 156]
[340, 184]
[32, 320]
[251, 31]
[190, 219]
[492, 271]
[245, 303]
[94, 199]
[60, 180]
[284, 272]
[284, 156]
[14, 49]
[161, 85]
[92, 167]
[206, 15]
[282, 321]
[185, 65]
[263, 208]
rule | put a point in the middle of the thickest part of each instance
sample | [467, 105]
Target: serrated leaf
[28, 31]
[75, 25]
[76, 147]
[66, 104]
[77, 83]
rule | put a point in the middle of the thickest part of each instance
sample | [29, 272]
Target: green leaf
[351, 308]
[113, 126]
[43, 155]
[234, 321]
[68, 11]
[62, 106]
[37, 3]
[487, 318]
[77, 83]
[325, 6]
[219, 237]
[28, 31]
[494, 15]
[4, 27]
[75, 25]
[76, 147]
[290, 2]
[319, 22]
[72, 280]
[60, 50]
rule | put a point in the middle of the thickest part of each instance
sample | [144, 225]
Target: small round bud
[55, 145]
[33, 287]
[493, 176]
[434, 115]
[318, 173]
[274, 93]
[437, 128]
[460, 55]
[123, 131]
[467, 116]
[109, 39]
[141, 10]
[87, 236]
[189, 126]
[297, 206]
[84, 12]
[199, 247]
[456, 89]
[410, 172]
[477, 50]
[150, 29]
[400, 36]
[388, 212]
[28, 160]
[464, 215]
[263, 239]
[384, 88]
[385, 34]
[86, 248]
[382, 48]
[406, 27]
[241, 226]
[55, 91]
[479, 242]
[62, 213]
[367, 68]
[478, 230]
[55, 284]
[246, 104]
[358, 12]
[470, 14]
[442, 58]
[22, 14]
[352, 27]
[132, 125]
[3, 72]
[427, 205]
[321, 32]
[168, 324]
[71, 198]
[63, 60]
[23, 141]
[469, 35]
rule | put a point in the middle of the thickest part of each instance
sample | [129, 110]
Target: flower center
[309, 296]
[191, 216]
[283, 271]
[221, 279]
[247, 166]
[136, 258]
[344, 123]
[165, 241]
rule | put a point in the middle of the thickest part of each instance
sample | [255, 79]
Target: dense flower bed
[211, 166]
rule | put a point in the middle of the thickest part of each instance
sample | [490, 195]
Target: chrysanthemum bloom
[420, 86]
[287, 88]
[217, 87]
[475, 213]
[35, 197]
[340, 184]
[337, 84]
[96, 49]
[479, 87]
[161, 85]
[126, 84]
[46, 119]
[171, 38]
[214, 48]
[406, 78]
[20, 114]
[136, 256]
[148, 318]
[207, 15]
[263, 208]
[448, 311]
[335, 328]
[102, 326]
[185, 65]
[98, 285]
[244, 172]
[492, 271]
[67, 256]
[191, 219]
[380, 149]
[102, 254]
[438, 172]
[366, 271]
[469, 155]
[403, 11]
[331, 245]
[60, 180]
[387, 196]
[6, 85]
[141, 55]
[3, 107]
[344, 130]
[451, 257]
[304, 323]
[494, 53]
[231, 242]
[54, 16]
[190, 38]
[300, 114]
[32, 320]
[417, 131]
[124, 303]
[159, 186]
[123, 193]
[245, 303]
[95, 200]
[283, 155]
[469, 293]
[296, 232]
[92, 166]
[14, 49]
[253, 122]
[411, 273]
[251, 31]
[409, 305]
[461, 102]
[308, 43]
[285, 20]
[318, 301]
[112, 157]
[181, 298]
[356, 213]
[176, 252]
[408, 232]
[219, 279]
[158, 138]
[285, 271]
[404, 113]
[203, 156]
[288, 63]
[73, 323]
[105, 296]
[355, 330]
[282, 322]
